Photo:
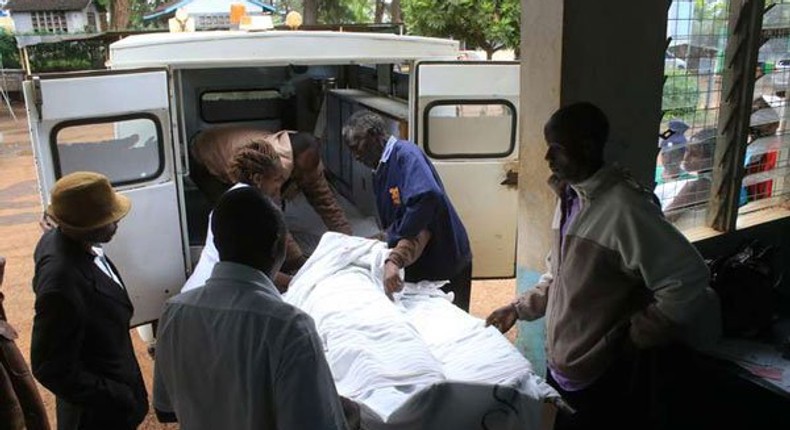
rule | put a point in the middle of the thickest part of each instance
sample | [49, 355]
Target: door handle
[511, 179]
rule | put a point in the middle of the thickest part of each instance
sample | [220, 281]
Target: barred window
[91, 25]
[721, 161]
[49, 22]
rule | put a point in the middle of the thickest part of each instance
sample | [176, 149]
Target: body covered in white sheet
[417, 362]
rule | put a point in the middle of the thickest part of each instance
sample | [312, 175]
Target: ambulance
[134, 123]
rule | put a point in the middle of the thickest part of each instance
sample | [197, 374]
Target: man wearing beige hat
[81, 349]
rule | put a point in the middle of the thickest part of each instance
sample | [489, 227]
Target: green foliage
[141, 8]
[681, 95]
[103, 5]
[489, 25]
[9, 51]
[344, 11]
[68, 56]
[709, 27]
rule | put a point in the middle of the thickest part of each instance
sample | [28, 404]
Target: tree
[310, 14]
[141, 8]
[337, 11]
[378, 16]
[120, 12]
[9, 53]
[395, 12]
[489, 25]
[680, 96]
[710, 23]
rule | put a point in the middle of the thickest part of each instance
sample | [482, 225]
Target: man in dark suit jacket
[81, 348]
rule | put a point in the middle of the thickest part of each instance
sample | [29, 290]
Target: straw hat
[86, 201]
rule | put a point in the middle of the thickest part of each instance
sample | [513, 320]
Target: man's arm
[305, 394]
[529, 306]
[294, 257]
[309, 175]
[406, 252]
[409, 249]
[671, 268]
[163, 406]
[532, 304]
[58, 333]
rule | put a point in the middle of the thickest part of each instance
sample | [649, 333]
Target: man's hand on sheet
[503, 318]
[392, 281]
[380, 236]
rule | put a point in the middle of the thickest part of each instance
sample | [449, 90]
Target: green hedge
[68, 56]
[681, 94]
[9, 50]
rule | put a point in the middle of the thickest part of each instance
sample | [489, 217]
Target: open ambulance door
[117, 123]
[465, 118]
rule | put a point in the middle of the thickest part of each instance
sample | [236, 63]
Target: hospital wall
[609, 52]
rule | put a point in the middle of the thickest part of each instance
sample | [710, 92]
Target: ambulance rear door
[118, 123]
[464, 115]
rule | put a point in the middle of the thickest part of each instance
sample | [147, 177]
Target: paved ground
[20, 209]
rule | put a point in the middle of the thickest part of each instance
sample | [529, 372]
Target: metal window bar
[766, 180]
[696, 39]
[746, 18]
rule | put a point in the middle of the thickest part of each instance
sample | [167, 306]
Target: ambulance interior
[313, 99]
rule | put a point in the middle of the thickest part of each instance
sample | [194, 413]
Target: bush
[67, 56]
[9, 51]
[681, 95]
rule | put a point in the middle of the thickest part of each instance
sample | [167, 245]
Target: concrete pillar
[613, 56]
[541, 71]
[611, 53]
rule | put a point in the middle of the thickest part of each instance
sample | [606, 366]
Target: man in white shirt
[234, 355]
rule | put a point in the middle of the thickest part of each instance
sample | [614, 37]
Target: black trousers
[634, 393]
[461, 286]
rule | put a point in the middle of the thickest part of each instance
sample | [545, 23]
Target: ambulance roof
[240, 48]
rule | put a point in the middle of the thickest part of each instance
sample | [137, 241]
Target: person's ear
[592, 150]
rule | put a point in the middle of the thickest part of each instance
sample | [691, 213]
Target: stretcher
[417, 362]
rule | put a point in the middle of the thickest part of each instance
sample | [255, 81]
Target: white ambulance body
[135, 121]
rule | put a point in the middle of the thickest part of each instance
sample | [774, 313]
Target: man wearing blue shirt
[422, 227]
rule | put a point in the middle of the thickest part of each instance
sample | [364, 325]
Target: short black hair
[249, 229]
[582, 120]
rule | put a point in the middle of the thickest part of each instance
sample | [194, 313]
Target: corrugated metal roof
[42, 5]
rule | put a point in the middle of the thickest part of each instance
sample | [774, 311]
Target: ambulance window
[469, 129]
[243, 105]
[126, 150]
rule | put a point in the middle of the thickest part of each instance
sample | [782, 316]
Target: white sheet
[417, 361]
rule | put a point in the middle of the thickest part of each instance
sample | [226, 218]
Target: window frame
[49, 21]
[447, 156]
[53, 144]
[232, 90]
[746, 33]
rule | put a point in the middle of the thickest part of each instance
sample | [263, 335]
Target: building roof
[42, 5]
[222, 6]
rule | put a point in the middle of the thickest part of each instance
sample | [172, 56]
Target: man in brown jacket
[20, 402]
[623, 280]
